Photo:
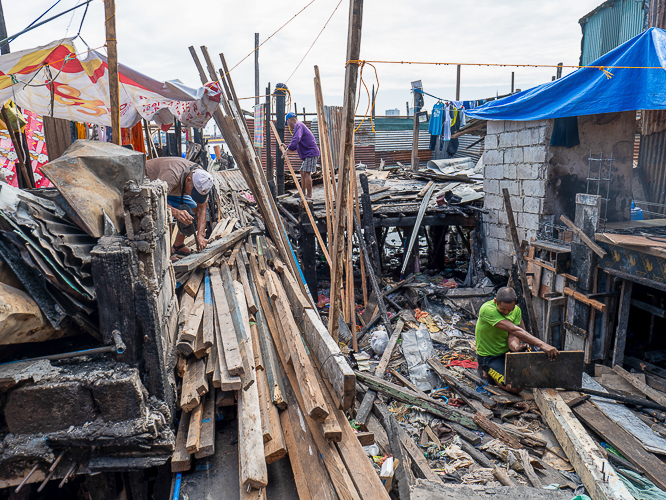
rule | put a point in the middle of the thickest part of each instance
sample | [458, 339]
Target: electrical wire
[36, 20]
[315, 41]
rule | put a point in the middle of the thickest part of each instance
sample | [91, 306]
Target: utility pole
[279, 125]
[112, 50]
[512, 75]
[256, 68]
[346, 162]
[458, 83]
[417, 88]
[4, 48]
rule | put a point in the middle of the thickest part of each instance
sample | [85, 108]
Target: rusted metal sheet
[652, 165]
[91, 176]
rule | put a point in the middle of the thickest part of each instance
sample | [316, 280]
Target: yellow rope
[504, 65]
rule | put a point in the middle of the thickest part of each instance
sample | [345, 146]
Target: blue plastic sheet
[589, 91]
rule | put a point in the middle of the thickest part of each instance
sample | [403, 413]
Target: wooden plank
[225, 398]
[242, 273]
[622, 441]
[315, 406]
[597, 474]
[194, 431]
[194, 384]
[181, 459]
[298, 301]
[227, 339]
[276, 448]
[584, 237]
[570, 292]
[532, 319]
[405, 395]
[193, 321]
[238, 312]
[333, 363]
[365, 438]
[407, 383]
[296, 456]
[192, 284]
[529, 470]
[534, 369]
[623, 322]
[208, 322]
[207, 433]
[495, 431]
[194, 260]
[226, 381]
[250, 440]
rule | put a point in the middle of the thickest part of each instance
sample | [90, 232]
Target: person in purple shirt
[304, 143]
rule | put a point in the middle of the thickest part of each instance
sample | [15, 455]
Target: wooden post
[415, 136]
[256, 68]
[347, 157]
[458, 83]
[512, 81]
[623, 322]
[4, 48]
[534, 326]
[279, 125]
[112, 62]
[267, 138]
[326, 156]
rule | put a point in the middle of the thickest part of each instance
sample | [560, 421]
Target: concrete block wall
[515, 157]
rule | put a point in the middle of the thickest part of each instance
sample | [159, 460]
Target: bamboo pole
[112, 63]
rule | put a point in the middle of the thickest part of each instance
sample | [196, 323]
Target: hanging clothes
[446, 128]
[436, 119]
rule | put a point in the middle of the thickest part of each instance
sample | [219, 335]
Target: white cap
[203, 182]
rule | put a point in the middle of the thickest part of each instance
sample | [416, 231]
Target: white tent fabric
[54, 81]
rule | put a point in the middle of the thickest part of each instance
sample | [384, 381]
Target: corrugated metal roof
[610, 25]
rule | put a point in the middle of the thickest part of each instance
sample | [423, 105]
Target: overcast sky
[154, 36]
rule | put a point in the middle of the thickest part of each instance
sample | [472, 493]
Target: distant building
[609, 25]
[393, 112]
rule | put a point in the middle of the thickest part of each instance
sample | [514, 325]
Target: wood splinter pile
[242, 325]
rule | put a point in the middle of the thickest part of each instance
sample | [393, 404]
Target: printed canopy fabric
[589, 91]
[34, 132]
[79, 87]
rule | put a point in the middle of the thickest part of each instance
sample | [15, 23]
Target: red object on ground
[465, 363]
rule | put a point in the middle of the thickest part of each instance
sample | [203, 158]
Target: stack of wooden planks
[249, 337]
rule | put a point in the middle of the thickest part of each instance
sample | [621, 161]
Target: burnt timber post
[307, 251]
[369, 226]
[279, 125]
[270, 174]
[578, 334]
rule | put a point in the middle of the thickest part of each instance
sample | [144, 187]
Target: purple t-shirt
[304, 142]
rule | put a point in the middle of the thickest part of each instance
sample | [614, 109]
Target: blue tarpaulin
[589, 91]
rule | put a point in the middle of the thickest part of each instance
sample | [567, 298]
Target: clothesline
[446, 101]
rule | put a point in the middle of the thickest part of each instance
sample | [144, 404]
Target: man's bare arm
[522, 334]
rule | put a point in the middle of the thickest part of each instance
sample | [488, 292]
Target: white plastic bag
[379, 341]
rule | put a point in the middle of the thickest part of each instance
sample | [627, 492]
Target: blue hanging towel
[436, 119]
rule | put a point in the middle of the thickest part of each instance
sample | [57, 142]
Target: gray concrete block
[493, 157]
[508, 140]
[527, 221]
[492, 244]
[534, 154]
[490, 142]
[491, 217]
[494, 171]
[510, 171]
[528, 171]
[500, 260]
[120, 398]
[496, 231]
[505, 246]
[495, 126]
[526, 137]
[513, 155]
[534, 188]
[49, 407]
[532, 205]
[491, 186]
[512, 186]
[493, 201]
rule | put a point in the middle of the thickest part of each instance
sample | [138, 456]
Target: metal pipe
[118, 347]
[51, 471]
[25, 479]
[69, 473]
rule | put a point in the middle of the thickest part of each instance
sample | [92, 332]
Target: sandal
[178, 250]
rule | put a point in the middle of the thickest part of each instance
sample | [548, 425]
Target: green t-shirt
[491, 340]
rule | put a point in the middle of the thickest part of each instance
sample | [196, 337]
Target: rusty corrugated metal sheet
[610, 25]
[652, 165]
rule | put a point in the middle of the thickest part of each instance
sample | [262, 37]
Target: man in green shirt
[500, 329]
